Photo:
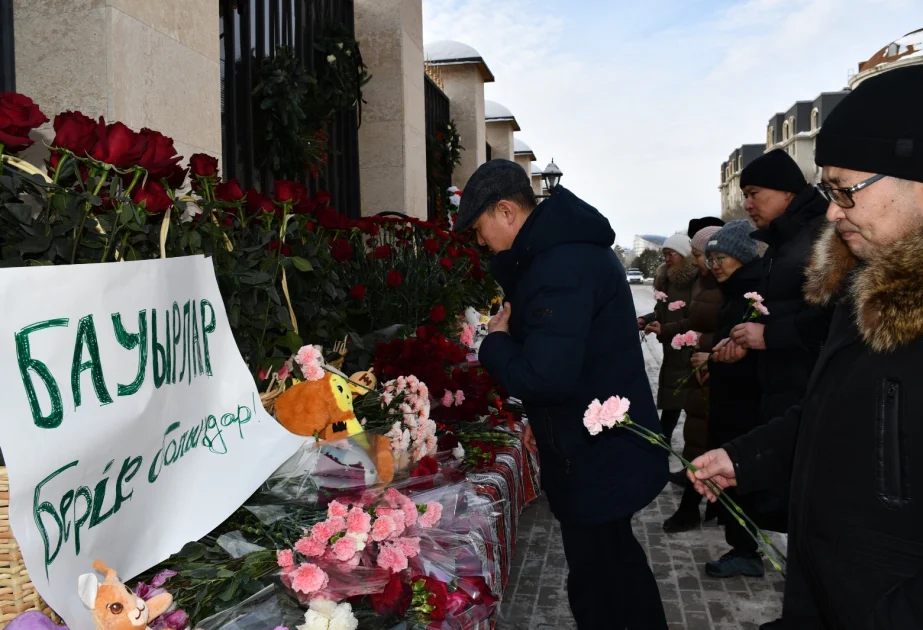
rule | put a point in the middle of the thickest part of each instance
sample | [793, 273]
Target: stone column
[392, 138]
[146, 64]
[464, 85]
[500, 138]
[525, 162]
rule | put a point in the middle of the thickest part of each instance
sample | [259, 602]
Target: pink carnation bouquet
[676, 306]
[613, 413]
[755, 310]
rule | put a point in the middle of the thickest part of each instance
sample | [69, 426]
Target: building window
[815, 118]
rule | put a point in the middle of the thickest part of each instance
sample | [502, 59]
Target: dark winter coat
[735, 387]
[574, 338]
[677, 283]
[851, 455]
[704, 308]
[794, 329]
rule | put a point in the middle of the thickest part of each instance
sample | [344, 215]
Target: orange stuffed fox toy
[113, 606]
[324, 409]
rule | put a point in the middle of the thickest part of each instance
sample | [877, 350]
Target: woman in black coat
[734, 408]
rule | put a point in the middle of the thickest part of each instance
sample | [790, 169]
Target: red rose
[229, 191]
[426, 467]
[322, 197]
[310, 226]
[258, 204]
[160, 155]
[154, 197]
[330, 219]
[18, 116]
[383, 252]
[289, 191]
[341, 250]
[118, 145]
[431, 246]
[395, 279]
[177, 178]
[437, 314]
[357, 292]
[395, 600]
[447, 442]
[477, 273]
[452, 250]
[446, 263]
[203, 165]
[74, 132]
[274, 247]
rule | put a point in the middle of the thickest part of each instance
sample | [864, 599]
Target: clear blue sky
[640, 102]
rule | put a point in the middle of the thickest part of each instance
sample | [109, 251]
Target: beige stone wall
[537, 184]
[464, 85]
[500, 138]
[392, 138]
[525, 163]
[145, 63]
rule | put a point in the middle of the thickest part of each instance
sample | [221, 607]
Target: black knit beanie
[775, 170]
[878, 128]
[697, 224]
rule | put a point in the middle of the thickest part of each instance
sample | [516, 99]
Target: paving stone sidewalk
[536, 597]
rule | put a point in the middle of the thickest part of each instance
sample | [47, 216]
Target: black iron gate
[437, 119]
[7, 48]
[252, 30]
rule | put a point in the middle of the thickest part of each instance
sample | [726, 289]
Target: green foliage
[649, 261]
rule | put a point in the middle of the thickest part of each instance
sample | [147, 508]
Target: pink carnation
[308, 578]
[678, 342]
[382, 528]
[753, 296]
[311, 547]
[344, 548]
[396, 515]
[307, 355]
[323, 531]
[312, 372]
[338, 523]
[692, 338]
[675, 306]
[459, 398]
[448, 399]
[285, 558]
[431, 516]
[591, 418]
[613, 411]
[410, 547]
[390, 557]
[759, 306]
[660, 296]
[467, 335]
[359, 521]
[337, 509]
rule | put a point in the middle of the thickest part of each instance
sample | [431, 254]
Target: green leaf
[21, 212]
[254, 277]
[225, 573]
[35, 245]
[291, 341]
[330, 290]
[301, 264]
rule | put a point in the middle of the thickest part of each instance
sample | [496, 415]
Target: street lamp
[552, 176]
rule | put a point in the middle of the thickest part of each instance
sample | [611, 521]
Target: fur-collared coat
[852, 455]
[677, 283]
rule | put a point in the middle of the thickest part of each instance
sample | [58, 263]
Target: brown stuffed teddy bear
[324, 409]
[114, 606]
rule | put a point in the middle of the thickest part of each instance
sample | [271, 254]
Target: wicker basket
[17, 593]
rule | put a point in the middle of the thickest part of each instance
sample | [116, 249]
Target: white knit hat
[679, 243]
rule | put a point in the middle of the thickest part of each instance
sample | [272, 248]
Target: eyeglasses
[714, 261]
[843, 196]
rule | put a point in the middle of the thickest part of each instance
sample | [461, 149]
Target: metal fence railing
[7, 48]
[251, 31]
[437, 119]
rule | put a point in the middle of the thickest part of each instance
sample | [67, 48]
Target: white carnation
[458, 452]
[323, 606]
[343, 618]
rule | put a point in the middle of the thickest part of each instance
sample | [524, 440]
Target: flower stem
[762, 540]
[78, 234]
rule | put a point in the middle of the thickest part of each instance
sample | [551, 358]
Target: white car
[635, 276]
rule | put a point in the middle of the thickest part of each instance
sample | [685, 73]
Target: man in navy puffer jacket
[566, 336]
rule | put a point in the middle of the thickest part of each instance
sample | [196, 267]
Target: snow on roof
[495, 112]
[521, 148]
[451, 53]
